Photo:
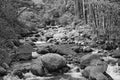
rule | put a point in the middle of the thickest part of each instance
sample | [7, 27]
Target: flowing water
[114, 71]
[73, 74]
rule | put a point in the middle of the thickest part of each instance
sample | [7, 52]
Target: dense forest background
[21, 17]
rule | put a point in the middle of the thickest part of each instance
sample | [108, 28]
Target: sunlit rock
[53, 61]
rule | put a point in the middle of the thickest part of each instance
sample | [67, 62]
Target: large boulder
[101, 65]
[86, 59]
[53, 62]
[37, 67]
[61, 49]
[96, 70]
[24, 52]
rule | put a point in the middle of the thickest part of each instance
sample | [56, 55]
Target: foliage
[104, 17]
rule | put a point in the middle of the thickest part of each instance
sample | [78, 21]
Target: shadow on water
[65, 77]
[73, 74]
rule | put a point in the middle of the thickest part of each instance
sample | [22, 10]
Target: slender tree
[79, 9]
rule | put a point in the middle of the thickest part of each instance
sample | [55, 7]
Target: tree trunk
[94, 18]
[79, 9]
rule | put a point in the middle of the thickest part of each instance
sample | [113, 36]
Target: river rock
[87, 49]
[37, 67]
[86, 59]
[43, 50]
[115, 53]
[96, 70]
[77, 49]
[24, 52]
[53, 62]
[61, 49]
[99, 63]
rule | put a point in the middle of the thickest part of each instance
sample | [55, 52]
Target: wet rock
[61, 49]
[77, 49]
[37, 67]
[87, 50]
[53, 62]
[26, 48]
[94, 76]
[24, 52]
[86, 59]
[99, 63]
[96, 70]
[43, 50]
[115, 53]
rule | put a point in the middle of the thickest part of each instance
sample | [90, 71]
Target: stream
[75, 73]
